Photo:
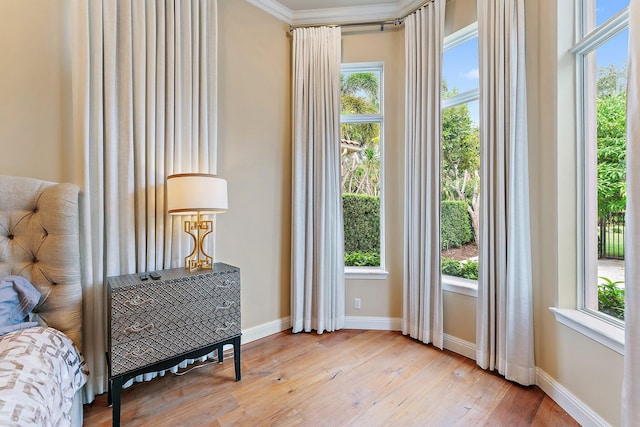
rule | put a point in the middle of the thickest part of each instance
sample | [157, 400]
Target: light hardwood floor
[344, 378]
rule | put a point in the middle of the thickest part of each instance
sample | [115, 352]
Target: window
[361, 131]
[601, 58]
[460, 177]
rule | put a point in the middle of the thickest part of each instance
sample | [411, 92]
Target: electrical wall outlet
[357, 304]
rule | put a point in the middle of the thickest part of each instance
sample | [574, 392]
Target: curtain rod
[397, 21]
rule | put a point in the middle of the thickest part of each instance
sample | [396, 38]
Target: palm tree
[361, 169]
[353, 87]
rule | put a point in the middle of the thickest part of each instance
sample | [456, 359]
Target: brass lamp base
[198, 258]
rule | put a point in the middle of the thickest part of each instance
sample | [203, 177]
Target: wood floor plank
[518, 407]
[345, 378]
[551, 415]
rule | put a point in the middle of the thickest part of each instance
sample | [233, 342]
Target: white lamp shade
[190, 193]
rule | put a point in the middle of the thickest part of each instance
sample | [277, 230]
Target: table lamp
[197, 194]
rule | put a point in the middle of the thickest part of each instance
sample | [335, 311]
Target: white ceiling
[298, 12]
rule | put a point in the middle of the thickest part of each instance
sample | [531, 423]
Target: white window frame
[375, 273]
[587, 201]
[454, 284]
[601, 328]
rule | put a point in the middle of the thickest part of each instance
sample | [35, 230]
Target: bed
[41, 368]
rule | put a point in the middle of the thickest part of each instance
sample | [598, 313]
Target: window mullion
[603, 33]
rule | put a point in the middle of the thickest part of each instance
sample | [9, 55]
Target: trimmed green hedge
[455, 224]
[361, 215]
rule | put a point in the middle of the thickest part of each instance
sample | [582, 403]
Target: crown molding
[338, 15]
[274, 8]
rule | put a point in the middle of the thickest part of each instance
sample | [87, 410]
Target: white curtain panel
[631, 382]
[422, 295]
[504, 339]
[317, 258]
[144, 95]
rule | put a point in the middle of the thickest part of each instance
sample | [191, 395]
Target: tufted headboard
[39, 240]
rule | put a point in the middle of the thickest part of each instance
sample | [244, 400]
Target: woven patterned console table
[156, 324]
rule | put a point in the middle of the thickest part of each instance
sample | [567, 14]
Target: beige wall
[254, 152]
[35, 89]
[383, 298]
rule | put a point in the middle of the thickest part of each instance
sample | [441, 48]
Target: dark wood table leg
[236, 356]
[108, 382]
[220, 352]
[116, 390]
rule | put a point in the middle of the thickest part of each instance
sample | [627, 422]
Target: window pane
[598, 12]
[360, 92]
[460, 68]
[360, 155]
[460, 190]
[606, 9]
[606, 170]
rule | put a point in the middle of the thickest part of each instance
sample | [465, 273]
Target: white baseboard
[582, 413]
[462, 347]
[351, 322]
[266, 329]
[373, 323]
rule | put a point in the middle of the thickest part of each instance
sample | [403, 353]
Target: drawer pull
[227, 284]
[138, 301]
[227, 326]
[225, 306]
[137, 328]
[138, 353]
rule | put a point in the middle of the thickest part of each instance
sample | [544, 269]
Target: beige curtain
[631, 382]
[504, 324]
[144, 95]
[317, 248]
[422, 296]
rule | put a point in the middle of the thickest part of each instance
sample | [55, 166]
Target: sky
[460, 64]
[615, 52]
[460, 70]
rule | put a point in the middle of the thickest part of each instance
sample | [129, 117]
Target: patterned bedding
[40, 371]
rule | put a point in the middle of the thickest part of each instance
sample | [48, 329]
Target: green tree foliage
[460, 149]
[611, 137]
[460, 158]
[360, 93]
[611, 80]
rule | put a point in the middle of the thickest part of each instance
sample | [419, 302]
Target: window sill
[598, 330]
[368, 273]
[460, 285]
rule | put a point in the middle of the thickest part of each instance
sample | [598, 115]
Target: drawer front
[169, 294]
[135, 327]
[157, 347]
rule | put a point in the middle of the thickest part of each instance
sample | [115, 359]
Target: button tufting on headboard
[39, 240]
